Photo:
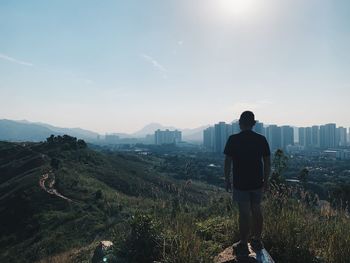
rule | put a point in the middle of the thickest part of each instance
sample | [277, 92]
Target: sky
[115, 66]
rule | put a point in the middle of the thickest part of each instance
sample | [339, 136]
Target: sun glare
[236, 8]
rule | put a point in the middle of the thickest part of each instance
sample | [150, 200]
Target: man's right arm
[267, 170]
[228, 164]
[227, 171]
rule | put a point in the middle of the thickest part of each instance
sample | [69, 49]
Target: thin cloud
[155, 63]
[24, 63]
[14, 60]
[242, 106]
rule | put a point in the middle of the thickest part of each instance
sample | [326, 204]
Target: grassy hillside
[106, 190]
[141, 203]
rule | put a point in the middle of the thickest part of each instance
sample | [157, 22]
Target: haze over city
[115, 66]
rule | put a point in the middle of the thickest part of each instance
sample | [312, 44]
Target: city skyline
[117, 66]
[284, 137]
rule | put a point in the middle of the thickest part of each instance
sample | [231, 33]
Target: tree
[81, 144]
[143, 242]
[303, 176]
[50, 139]
[98, 194]
[279, 164]
[55, 163]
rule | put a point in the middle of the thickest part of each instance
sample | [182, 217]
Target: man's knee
[244, 208]
[256, 209]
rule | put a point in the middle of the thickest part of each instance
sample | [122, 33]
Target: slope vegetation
[105, 189]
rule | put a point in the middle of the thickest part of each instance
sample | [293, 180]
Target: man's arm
[227, 171]
[267, 170]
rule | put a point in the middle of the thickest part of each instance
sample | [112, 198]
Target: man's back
[247, 149]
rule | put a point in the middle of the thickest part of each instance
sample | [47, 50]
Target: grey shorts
[254, 196]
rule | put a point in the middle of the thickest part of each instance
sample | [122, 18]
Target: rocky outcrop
[104, 253]
[227, 256]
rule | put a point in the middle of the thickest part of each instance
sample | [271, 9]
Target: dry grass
[76, 255]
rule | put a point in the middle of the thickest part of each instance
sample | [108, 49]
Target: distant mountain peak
[151, 128]
[195, 134]
[24, 130]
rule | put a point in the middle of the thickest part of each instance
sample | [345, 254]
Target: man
[248, 154]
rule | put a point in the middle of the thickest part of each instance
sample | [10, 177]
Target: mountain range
[195, 134]
[23, 130]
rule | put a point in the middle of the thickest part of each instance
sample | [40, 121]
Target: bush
[143, 243]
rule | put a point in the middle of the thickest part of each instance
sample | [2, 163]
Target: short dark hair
[247, 118]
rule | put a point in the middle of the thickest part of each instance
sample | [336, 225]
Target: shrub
[143, 243]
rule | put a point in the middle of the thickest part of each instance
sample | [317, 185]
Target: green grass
[195, 220]
[293, 232]
[107, 190]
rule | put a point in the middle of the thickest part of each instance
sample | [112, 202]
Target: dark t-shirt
[247, 149]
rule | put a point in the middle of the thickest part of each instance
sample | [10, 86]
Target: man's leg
[257, 220]
[240, 248]
[244, 220]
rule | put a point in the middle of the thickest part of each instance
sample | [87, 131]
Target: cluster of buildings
[324, 136]
[159, 137]
[215, 137]
[284, 137]
[167, 137]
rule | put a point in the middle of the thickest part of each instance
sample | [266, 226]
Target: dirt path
[50, 189]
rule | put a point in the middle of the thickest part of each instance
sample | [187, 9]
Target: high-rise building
[209, 138]
[308, 137]
[235, 127]
[287, 136]
[215, 137]
[328, 135]
[221, 131]
[315, 136]
[305, 137]
[167, 137]
[323, 143]
[341, 137]
[331, 134]
[259, 128]
[274, 137]
[302, 136]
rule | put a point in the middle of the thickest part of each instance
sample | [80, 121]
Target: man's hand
[265, 186]
[228, 185]
[267, 171]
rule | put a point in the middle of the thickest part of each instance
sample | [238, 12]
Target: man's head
[247, 120]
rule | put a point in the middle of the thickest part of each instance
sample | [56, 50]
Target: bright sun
[236, 8]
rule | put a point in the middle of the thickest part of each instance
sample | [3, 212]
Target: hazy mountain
[20, 131]
[151, 128]
[76, 132]
[195, 134]
[24, 130]
[27, 131]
